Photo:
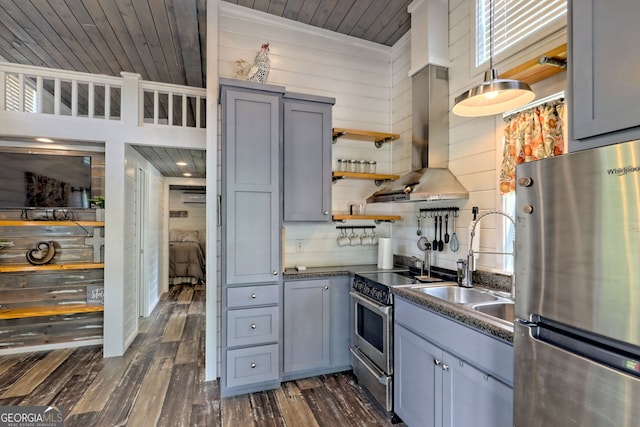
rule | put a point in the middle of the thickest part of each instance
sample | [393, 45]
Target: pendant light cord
[490, 34]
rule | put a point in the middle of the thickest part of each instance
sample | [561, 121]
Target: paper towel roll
[385, 253]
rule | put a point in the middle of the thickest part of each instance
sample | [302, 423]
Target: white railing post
[107, 102]
[21, 92]
[39, 94]
[131, 99]
[74, 98]
[90, 101]
[3, 95]
[56, 96]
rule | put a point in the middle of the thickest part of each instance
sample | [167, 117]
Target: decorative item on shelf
[97, 241]
[98, 201]
[95, 295]
[261, 65]
[42, 254]
[241, 69]
[5, 244]
[493, 95]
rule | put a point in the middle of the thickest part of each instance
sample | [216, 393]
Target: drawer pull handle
[445, 367]
[436, 362]
[253, 296]
[253, 365]
[253, 326]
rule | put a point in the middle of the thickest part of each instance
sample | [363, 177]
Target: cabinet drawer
[247, 296]
[253, 326]
[252, 365]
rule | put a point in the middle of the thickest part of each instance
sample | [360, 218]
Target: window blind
[513, 22]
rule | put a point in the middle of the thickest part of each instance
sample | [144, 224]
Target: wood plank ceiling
[164, 40]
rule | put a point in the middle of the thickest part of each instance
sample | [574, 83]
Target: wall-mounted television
[37, 180]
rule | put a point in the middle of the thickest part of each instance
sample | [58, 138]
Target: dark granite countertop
[341, 270]
[499, 329]
[485, 323]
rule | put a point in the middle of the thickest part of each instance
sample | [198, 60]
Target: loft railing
[38, 90]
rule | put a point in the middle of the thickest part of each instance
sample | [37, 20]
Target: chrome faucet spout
[471, 263]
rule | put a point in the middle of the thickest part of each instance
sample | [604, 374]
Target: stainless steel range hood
[429, 179]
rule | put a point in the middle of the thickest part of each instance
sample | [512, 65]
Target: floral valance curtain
[532, 134]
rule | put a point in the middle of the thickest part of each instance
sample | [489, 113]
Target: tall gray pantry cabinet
[256, 120]
[251, 251]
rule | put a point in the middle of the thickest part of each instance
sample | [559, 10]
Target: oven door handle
[373, 370]
[370, 304]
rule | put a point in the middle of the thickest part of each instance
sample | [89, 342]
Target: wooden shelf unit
[16, 268]
[377, 177]
[378, 138]
[20, 223]
[42, 311]
[378, 218]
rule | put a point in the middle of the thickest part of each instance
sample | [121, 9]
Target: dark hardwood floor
[160, 382]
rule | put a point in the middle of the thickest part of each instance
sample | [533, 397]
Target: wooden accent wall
[43, 305]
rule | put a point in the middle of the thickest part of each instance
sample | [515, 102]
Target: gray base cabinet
[447, 374]
[604, 57]
[316, 327]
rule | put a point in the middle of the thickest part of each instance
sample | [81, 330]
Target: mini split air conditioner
[194, 197]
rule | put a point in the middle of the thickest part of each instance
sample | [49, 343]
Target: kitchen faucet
[466, 268]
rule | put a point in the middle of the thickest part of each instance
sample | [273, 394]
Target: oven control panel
[374, 290]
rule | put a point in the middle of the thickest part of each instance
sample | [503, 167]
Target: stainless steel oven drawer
[253, 326]
[252, 365]
[379, 384]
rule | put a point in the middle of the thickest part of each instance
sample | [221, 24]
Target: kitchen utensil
[440, 242]
[454, 245]
[446, 228]
[419, 232]
[434, 245]
[423, 243]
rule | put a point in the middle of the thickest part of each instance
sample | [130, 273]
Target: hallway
[160, 382]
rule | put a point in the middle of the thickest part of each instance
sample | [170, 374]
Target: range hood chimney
[429, 179]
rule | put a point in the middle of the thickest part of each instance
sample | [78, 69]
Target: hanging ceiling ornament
[494, 95]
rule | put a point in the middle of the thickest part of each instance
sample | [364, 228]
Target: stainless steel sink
[504, 310]
[458, 295]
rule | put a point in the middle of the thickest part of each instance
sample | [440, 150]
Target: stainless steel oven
[372, 336]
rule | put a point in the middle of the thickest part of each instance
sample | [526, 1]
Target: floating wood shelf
[19, 223]
[378, 178]
[378, 138]
[531, 71]
[49, 267]
[376, 218]
[25, 312]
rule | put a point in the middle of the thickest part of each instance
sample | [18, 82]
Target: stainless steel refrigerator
[577, 272]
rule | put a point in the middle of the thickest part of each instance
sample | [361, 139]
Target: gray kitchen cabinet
[316, 327]
[604, 57]
[307, 325]
[418, 379]
[251, 130]
[251, 117]
[340, 337]
[307, 157]
[447, 374]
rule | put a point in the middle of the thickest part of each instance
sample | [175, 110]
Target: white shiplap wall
[475, 144]
[318, 62]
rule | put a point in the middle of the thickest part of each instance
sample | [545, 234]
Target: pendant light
[493, 95]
